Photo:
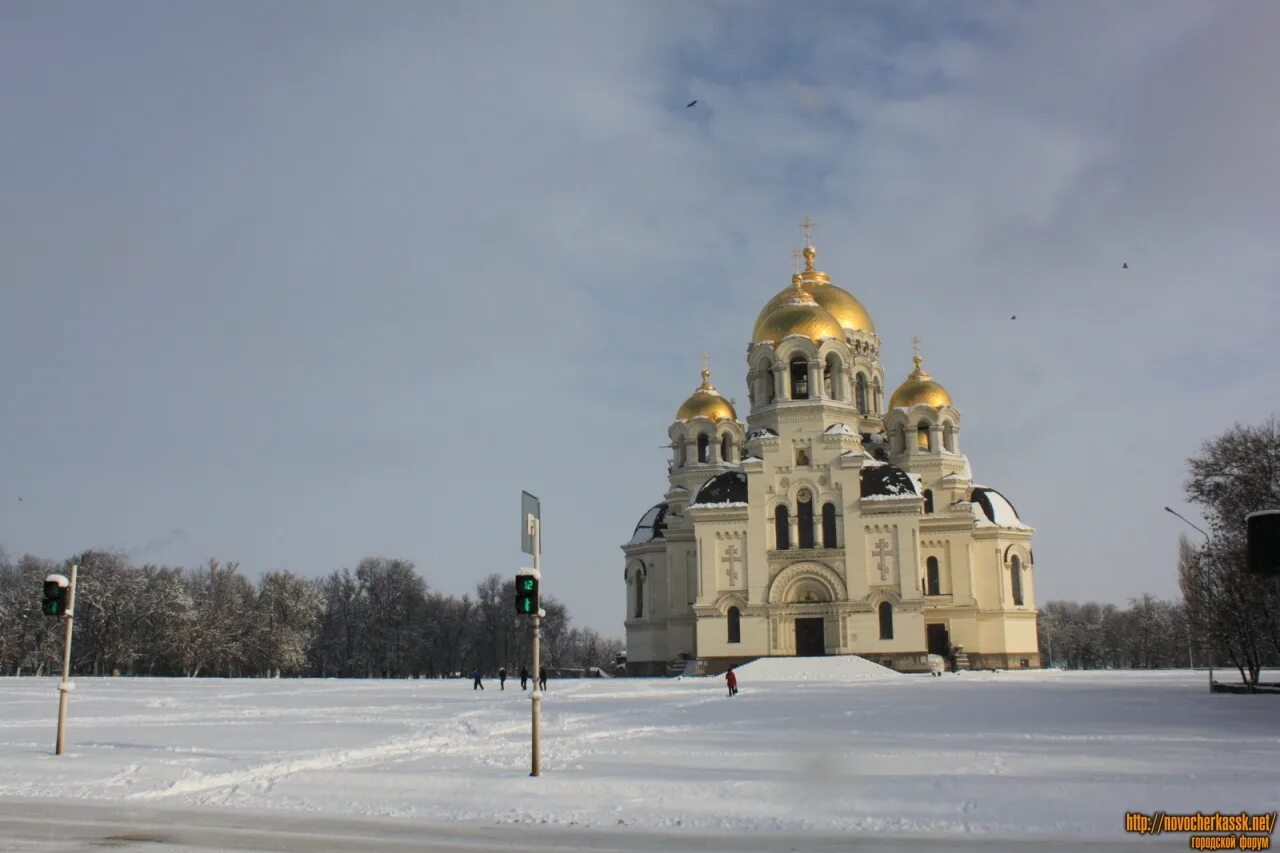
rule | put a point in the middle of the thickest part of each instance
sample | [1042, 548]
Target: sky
[296, 283]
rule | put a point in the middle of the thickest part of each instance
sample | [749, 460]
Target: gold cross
[915, 343]
[807, 224]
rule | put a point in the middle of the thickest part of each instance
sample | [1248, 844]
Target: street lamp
[1208, 649]
[1193, 527]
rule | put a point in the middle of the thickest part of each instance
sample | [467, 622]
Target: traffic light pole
[535, 624]
[65, 688]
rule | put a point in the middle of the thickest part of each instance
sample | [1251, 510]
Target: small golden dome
[919, 388]
[795, 312]
[839, 303]
[706, 402]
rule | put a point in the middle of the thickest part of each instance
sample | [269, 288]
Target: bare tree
[285, 622]
[1238, 614]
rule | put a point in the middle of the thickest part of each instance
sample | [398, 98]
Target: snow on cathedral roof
[879, 482]
[995, 508]
[651, 526]
[727, 489]
[840, 429]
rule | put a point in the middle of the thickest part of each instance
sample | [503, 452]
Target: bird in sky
[1014, 317]
[691, 103]
[1126, 265]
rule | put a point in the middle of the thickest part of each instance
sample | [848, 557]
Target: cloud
[337, 284]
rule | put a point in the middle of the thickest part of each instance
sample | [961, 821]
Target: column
[779, 382]
[817, 388]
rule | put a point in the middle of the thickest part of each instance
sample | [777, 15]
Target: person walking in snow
[476, 675]
[732, 680]
[502, 678]
[542, 679]
[524, 678]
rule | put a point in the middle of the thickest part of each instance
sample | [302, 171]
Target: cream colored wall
[713, 637]
[864, 633]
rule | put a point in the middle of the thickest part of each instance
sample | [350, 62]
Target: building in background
[828, 523]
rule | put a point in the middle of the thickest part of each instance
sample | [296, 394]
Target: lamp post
[1193, 527]
[1209, 648]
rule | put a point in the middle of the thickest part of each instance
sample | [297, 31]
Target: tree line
[379, 621]
[1148, 634]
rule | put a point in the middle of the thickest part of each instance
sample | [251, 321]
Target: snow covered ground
[810, 749]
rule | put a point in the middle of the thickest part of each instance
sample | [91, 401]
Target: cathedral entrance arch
[806, 583]
[810, 637]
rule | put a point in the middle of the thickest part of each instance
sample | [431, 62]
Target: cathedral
[828, 523]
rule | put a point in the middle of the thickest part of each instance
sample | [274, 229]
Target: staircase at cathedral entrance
[685, 666]
[961, 659]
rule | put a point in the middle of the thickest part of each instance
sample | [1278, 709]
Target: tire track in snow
[264, 776]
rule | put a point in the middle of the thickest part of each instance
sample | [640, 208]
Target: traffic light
[55, 596]
[527, 595]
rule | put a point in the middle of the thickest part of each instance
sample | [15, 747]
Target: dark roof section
[980, 496]
[886, 480]
[651, 525]
[878, 447]
[729, 487]
[761, 432]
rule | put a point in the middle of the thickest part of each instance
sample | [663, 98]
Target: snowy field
[810, 751]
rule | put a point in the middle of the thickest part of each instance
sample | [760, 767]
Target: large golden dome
[795, 312]
[919, 388]
[706, 402]
[839, 303]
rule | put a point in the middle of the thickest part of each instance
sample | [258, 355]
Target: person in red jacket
[732, 681]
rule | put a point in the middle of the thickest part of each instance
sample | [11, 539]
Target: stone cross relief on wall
[881, 552]
[732, 556]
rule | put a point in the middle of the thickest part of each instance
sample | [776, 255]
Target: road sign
[530, 515]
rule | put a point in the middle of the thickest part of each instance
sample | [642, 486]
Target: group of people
[478, 683]
[730, 679]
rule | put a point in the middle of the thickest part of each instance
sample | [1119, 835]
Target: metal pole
[65, 688]
[536, 626]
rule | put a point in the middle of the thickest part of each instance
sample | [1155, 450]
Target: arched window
[928, 500]
[949, 438]
[704, 447]
[922, 436]
[862, 394]
[735, 625]
[804, 518]
[1015, 567]
[799, 378]
[886, 621]
[933, 581]
[829, 526]
[726, 448]
[782, 528]
[639, 594]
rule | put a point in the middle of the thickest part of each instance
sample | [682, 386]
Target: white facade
[823, 526]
